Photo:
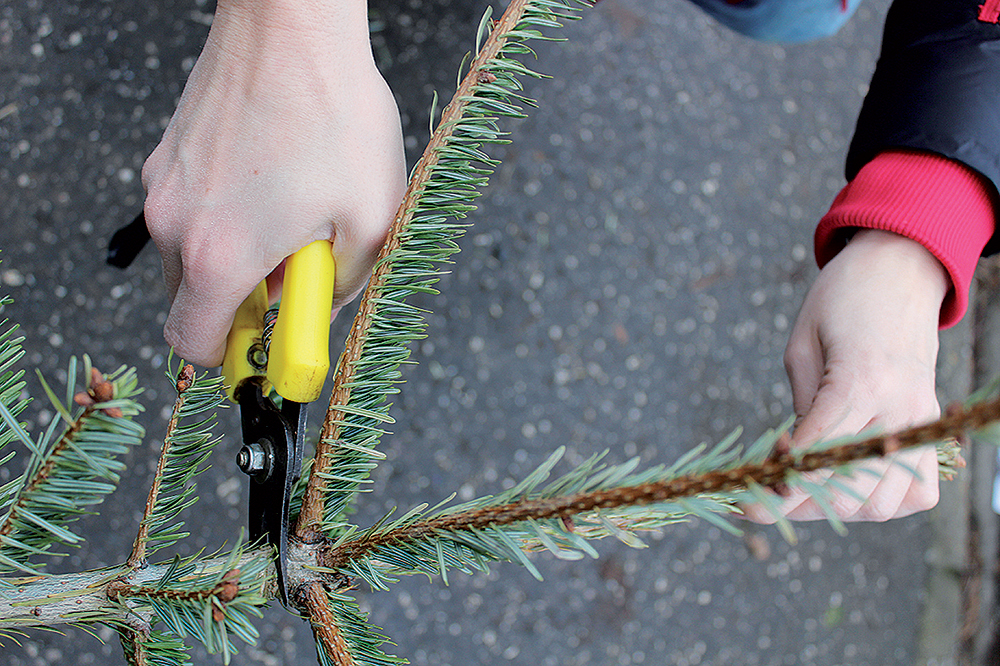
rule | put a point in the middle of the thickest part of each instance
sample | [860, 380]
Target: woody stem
[311, 514]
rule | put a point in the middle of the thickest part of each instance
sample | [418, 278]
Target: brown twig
[138, 556]
[312, 503]
[324, 624]
[135, 652]
[224, 591]
[772, 472]
[44, 471]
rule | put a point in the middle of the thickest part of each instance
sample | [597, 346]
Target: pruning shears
[290, 356]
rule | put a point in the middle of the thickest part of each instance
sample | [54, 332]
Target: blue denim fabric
[790, 21]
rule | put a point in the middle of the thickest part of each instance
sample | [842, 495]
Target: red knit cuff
[942, 204]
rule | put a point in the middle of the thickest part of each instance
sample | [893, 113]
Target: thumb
[832, 412]
[828, 415]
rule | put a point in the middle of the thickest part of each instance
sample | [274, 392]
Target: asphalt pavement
[629, 283]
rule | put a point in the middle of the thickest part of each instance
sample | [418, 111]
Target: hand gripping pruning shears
[290, 356]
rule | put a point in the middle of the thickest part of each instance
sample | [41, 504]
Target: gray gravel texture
[629, 284]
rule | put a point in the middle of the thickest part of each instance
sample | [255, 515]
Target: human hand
[285, 134]
[862, 354]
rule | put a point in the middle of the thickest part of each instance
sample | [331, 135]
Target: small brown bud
[185, 378]
[218, 614]
[104, 392]
[485, 77]
[100, 388]
[227, 591]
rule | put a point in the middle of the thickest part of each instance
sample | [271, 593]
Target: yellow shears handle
[299, 355]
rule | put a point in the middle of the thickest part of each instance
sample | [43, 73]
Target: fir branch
[210, 601]
[186, 448]
[68, 474]
[343, 635]
[153, 648]
[329, 640]
[11, 380]
[124, 598]
[135, 653]
[72, 598]
[423, 235]
[701, 484]
[469, 536]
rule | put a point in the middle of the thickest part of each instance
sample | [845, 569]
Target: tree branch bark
[93, 596]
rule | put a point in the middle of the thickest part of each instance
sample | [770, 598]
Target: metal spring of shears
[270, 317]
[258, 352]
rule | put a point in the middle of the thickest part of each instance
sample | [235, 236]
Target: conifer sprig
[154, 648]
[11, 381]
[533, 515]
[13, 403]
[616, 501]
[186, 447]
[343, 634]
[155, 606]
[67, 473]
[202, 599]
[423, 235]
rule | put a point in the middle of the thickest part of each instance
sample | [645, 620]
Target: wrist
[344, 15]
[946, 206]
[296, 33]
[900, 260]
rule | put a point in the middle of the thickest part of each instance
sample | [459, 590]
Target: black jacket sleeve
[936, 87]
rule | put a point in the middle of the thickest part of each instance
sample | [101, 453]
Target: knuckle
[795, 355]
[161, 214]
[208, 262]
[151, 168]
[156, 210]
